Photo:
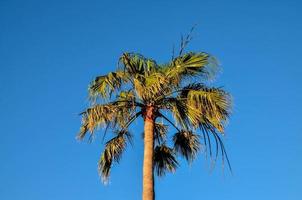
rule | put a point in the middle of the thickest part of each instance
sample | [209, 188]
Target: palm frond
[183, 92]
[104, 86]
[184, 115]
[137, 65]
[112, 114]
[213, 103]
[112, 153]
[186, 144]
[160, 132]
[156, 84]
[164, 160]
[178, 108]
[151, 86]
[219, 147]
[94, 117]
[191, 64]
[139, 88]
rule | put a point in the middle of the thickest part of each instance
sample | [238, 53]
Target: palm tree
[144, 88]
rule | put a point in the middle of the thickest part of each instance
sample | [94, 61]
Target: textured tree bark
[148, 177]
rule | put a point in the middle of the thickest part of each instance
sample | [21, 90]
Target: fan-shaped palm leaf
[186, 144]
[191, 64]
[164, 160]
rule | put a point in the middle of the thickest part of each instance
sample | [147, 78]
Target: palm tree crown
[141, 87]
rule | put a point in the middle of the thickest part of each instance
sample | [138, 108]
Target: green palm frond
[198, 105]
[94, 117]
[112, 153]
[139, 87]
[151, 86]
[191, 64]
[128, 100]
[113, 114]
[137, 65]
[213, 103]
[186, 144]
[155, 85]
[164, 160]
[104, 86]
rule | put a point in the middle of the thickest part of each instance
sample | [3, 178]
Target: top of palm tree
[179, 86]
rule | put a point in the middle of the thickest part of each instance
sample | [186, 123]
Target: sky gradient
[51, 50]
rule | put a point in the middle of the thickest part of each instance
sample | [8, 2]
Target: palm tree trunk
[148, 178]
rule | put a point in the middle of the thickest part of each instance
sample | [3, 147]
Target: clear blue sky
[51, 50]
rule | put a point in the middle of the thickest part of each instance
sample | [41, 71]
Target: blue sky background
[51, 50]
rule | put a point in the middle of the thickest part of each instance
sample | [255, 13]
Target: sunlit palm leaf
[117, 113]
[155, 85]
[103, 86]
[213, 103]
[94, 117]
[191, 64]
[137, 65]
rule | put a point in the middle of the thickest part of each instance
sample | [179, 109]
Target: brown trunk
[148, 182]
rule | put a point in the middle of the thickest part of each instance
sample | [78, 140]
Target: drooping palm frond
[208, 136]
[198, 106]
[213, 103]
[164, 160]
[112, 153]
[160, 132]
[112, 114]
[186, 144]
[96, 116]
